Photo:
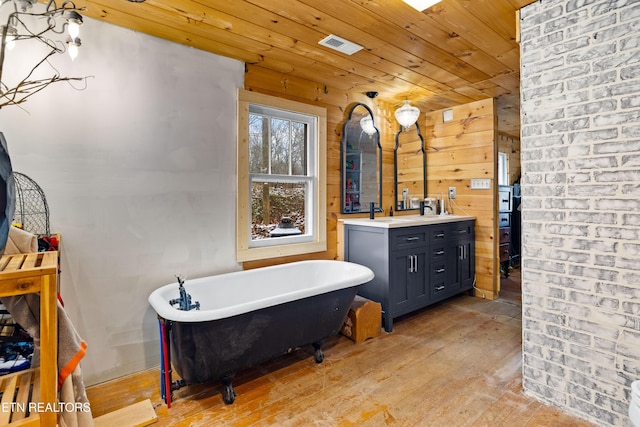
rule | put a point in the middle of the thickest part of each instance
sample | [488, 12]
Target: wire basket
[32, 210]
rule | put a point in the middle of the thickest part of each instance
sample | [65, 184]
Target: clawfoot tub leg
[228, 393]
[319, 354]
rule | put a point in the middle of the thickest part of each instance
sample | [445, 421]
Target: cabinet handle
[461, 251]
[504, 219]
[439, 235]
[440, 252]
[411, 239]
[440, 270]
[411, 264]
[439, 288]
[415, 263]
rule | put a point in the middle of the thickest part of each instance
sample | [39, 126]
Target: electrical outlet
[452, 192]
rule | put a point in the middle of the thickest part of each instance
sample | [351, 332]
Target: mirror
[410, 167]
[361, 162]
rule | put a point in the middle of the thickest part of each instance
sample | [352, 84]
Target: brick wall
[580, 145]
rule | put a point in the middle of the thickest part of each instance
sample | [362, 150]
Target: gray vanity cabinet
[414, 266]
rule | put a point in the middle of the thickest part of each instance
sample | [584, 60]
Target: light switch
[481, 183]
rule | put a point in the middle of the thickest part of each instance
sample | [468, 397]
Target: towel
[25, 310]
[20, 242]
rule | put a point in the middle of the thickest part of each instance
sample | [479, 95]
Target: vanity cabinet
[414, 266]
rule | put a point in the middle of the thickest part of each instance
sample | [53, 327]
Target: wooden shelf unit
[23, 274]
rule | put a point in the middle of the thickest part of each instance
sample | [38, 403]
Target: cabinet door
[408, 286]
[465, 255]
[466, 264]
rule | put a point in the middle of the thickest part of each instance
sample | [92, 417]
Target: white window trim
[245, 251]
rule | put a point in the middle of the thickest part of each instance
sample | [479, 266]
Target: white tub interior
[240, 292]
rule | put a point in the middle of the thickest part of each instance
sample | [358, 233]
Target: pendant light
[407, 115]
[366, 123]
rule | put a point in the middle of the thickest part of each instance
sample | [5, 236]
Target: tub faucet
[184, 302]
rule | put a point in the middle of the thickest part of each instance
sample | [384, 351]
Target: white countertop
[405, 220]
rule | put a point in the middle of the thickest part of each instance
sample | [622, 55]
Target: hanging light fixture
[366, 123]
[21, 25]
[407, 115]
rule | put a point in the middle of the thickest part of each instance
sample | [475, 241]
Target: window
[281, 177]
[503, 169]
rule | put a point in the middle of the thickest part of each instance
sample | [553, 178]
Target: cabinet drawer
[505, 235]
[461, 229]
[504, 199]
[438, 270]
[439, 233]
[438, 253]
[504, 220]
[504, 252]
[408, 238]
[438, 287]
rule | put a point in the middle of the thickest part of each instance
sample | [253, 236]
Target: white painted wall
[139, 174]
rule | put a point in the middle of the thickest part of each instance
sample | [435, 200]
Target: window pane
[258, 150]
[298, 148]
[280, 137]
[503, 169]
[272, 201]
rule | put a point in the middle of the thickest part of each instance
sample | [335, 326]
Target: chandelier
[25, 24]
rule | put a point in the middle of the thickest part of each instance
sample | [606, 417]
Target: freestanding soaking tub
[213, 327]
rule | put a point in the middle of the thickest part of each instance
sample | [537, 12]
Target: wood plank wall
[456, 152]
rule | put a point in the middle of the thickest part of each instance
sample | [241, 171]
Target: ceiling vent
[340, 44]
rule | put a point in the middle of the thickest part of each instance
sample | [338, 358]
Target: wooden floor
[455, 364]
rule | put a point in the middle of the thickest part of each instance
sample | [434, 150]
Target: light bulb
[73, 45]
[73, 51]
[74, 20]
[74, 29]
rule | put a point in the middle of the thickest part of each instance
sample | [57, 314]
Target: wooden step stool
[364, 320]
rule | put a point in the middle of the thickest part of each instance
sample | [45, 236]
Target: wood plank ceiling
[452, 53]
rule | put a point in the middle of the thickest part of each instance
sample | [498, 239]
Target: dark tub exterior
[215, 349]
